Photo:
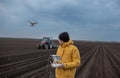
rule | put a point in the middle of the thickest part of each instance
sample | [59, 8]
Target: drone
[33, 23]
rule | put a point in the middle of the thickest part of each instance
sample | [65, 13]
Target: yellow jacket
[70, 56]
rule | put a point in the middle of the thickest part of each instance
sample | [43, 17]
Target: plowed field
[19, 58]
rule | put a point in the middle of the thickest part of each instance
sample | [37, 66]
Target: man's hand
[61, 66]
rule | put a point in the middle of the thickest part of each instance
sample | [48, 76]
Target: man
[70, 57]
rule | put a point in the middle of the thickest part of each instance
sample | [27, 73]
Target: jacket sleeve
[76, 59]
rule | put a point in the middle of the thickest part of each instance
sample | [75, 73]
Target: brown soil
[20, 58]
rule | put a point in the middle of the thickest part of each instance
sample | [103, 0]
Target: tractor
[46, 43]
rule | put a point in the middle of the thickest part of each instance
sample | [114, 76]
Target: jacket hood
[67, 43]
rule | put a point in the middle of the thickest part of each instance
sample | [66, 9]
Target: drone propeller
[32, 23]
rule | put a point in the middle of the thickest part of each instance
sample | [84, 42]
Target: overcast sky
[96, 20]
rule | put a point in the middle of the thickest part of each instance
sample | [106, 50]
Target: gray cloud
[87, 17]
